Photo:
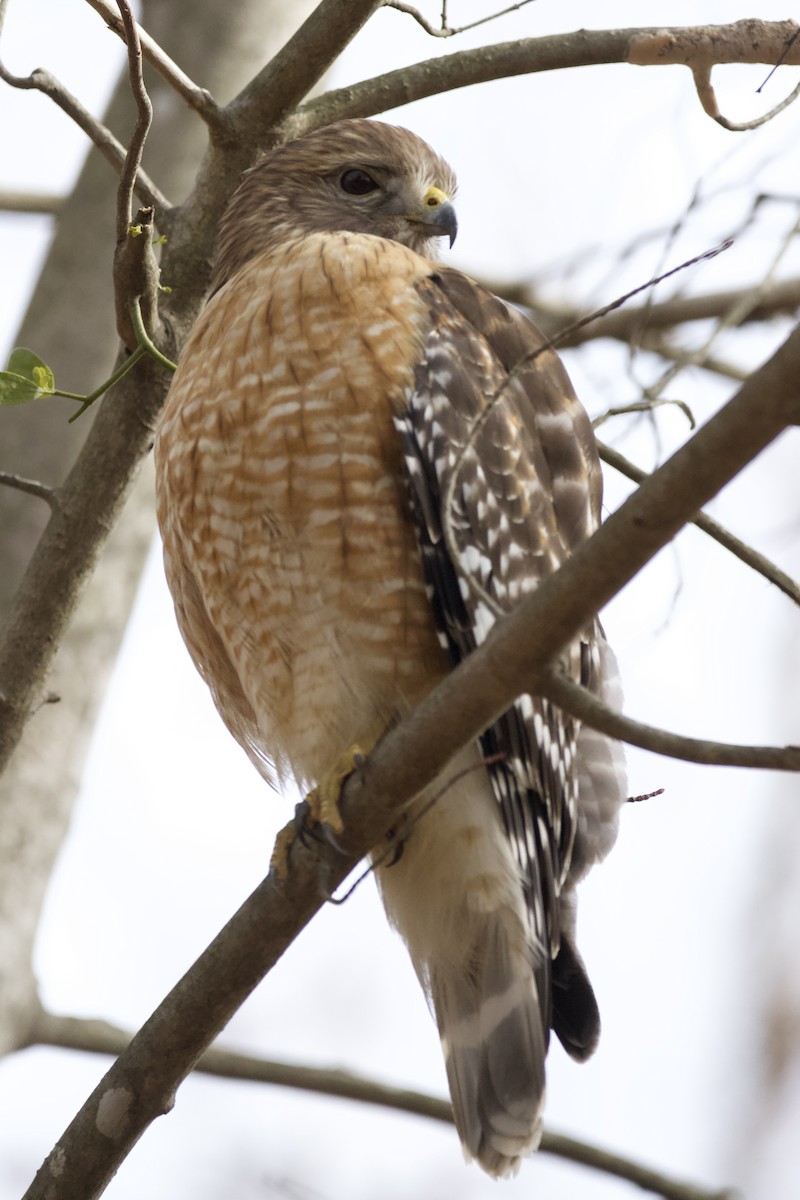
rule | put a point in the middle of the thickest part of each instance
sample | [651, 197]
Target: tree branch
[99, 1037]
[196, 97]
[743, 41]
[706, 362]
[777, 299]
[444, 30]
[718, 532]
[581, 703]
[295, 69]
[136, 271]
[144, 116]
[722, 43]
[30, 202]
[31, 486]
[142, 1083]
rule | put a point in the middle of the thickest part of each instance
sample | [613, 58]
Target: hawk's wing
[527, 492]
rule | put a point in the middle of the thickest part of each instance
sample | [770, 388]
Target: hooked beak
[436, 215]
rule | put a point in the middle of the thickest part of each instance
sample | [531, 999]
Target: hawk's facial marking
[321, 183]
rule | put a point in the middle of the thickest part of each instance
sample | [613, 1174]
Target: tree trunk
[70, 324]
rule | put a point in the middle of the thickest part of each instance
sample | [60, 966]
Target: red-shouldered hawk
[325, 397]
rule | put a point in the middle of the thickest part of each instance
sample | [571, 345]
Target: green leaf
[26, 378]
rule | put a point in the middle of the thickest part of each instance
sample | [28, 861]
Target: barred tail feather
[494, 1043]
[456, 896]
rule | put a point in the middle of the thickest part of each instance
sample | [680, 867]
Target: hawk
[321, 421]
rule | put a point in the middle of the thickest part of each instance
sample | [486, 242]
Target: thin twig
[196, 97]
[99, 1037]
[144, 117]
[780, 61]
[444, 30]
[581, 703]
[32, 486]
[746, 303]
[701, 73]
[143, 337]
[749, 556]
[136, 271]
[717, 366]
[639, 406]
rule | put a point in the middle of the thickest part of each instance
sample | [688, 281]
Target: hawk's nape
[324, 407]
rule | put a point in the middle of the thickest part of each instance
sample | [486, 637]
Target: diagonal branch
[719, 533]
[141, 1084]
[196, 97]
[295, 69]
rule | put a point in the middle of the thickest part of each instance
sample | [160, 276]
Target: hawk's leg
[320, 808]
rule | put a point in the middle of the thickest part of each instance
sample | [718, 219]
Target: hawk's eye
[357, 182]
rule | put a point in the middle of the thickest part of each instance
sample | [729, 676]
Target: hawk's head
[359, 176]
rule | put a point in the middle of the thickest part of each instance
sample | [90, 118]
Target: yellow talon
[323, 807]
[323, 800]
[279, 862]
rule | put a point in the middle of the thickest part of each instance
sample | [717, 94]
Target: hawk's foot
[320, 808]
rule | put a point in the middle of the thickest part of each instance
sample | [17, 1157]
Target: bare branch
[717, 366]
[295, 69]
[701, 67]
[723, 43]
[31, 486]
[647, 405]
[196, 97]
[718, 532]
[99, 1037]
[30, 202]
[444, 30]
[643, 1177]
[743, 41]
[136, 272]
[581, 703]
[113, 152]
[775, 299]
[142, 1082]
[747, 41]
[144, 116]
[702, 81]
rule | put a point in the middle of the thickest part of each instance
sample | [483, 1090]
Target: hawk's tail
[456, 896]
[494, 1040]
